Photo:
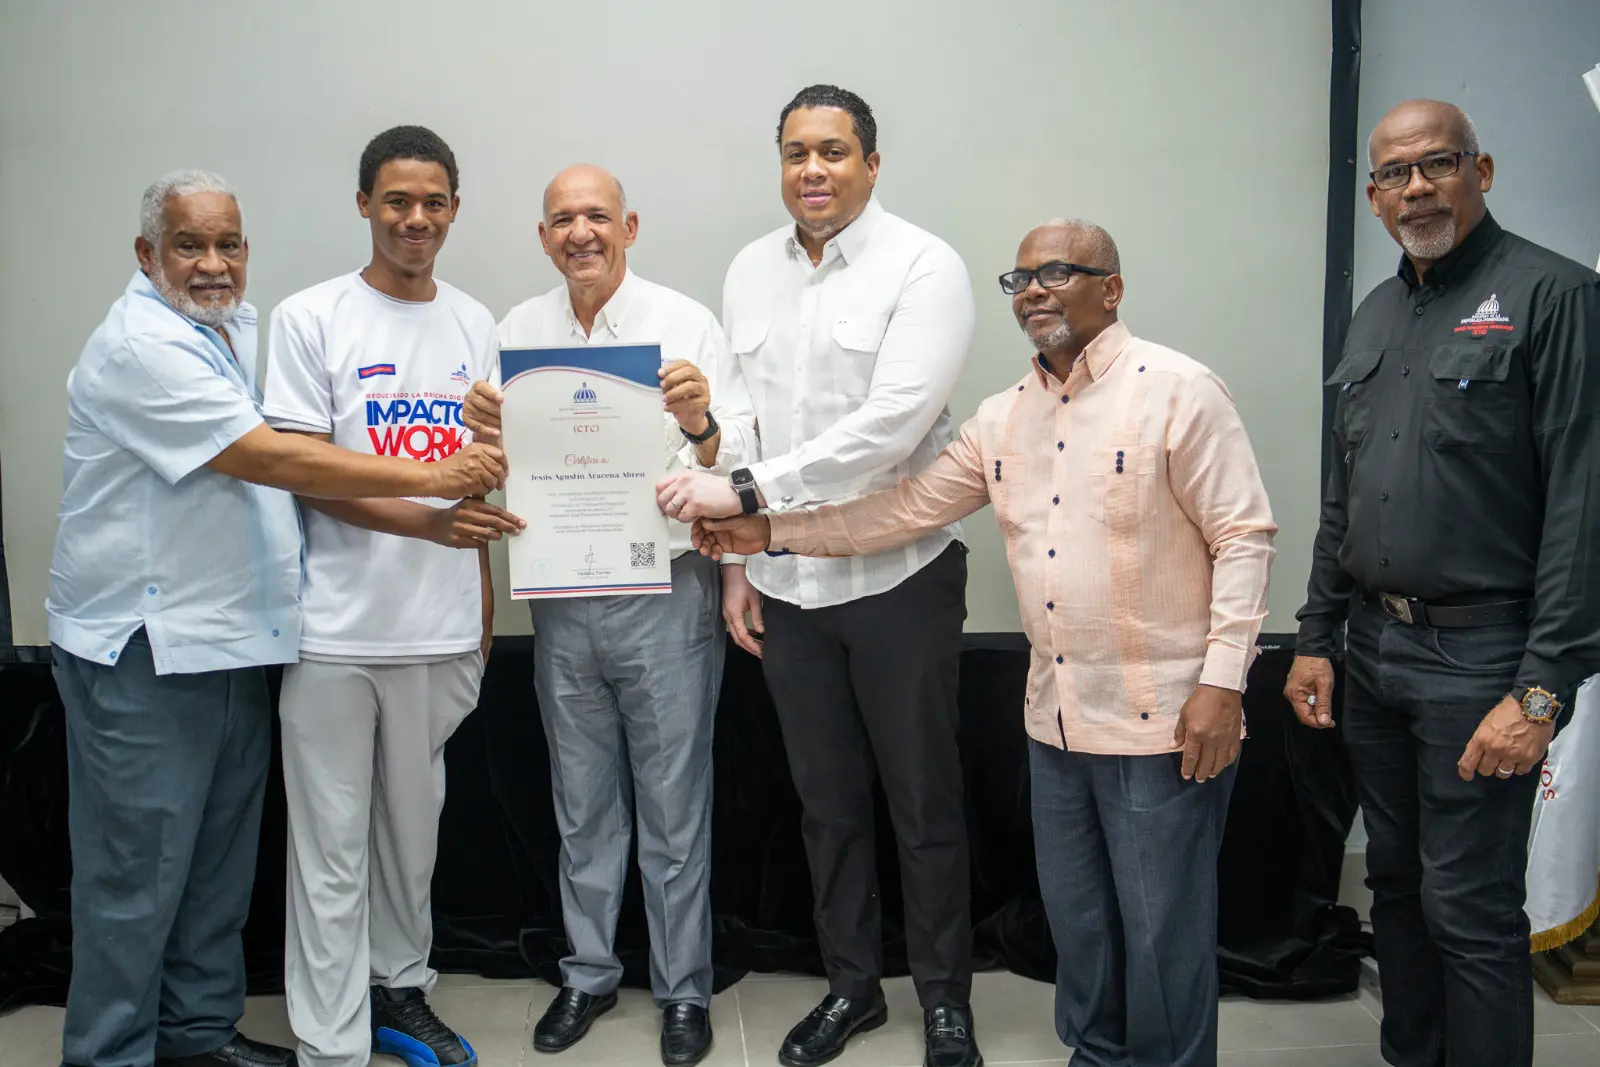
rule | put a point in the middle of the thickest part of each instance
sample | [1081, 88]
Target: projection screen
[1196, 133]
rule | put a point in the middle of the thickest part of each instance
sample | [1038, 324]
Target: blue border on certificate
[639, 364]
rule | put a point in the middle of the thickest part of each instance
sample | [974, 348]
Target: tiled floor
[1014, 1027]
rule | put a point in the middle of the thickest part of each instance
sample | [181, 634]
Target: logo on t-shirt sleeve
[375, 370]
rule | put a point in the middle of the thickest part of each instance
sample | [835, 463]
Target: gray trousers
[363, 771]
[627, 689]
[1127, 854]
[165, 777]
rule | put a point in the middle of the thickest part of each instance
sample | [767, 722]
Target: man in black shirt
[1458, 541]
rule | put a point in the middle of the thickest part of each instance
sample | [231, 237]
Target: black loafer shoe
[240, 1052]
[685, 1034]
[949, 1038]
[821, 1036]
[568, 1018]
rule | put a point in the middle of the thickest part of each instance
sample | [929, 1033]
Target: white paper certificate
[581, 429]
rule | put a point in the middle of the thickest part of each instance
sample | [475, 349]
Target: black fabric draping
[497, 907]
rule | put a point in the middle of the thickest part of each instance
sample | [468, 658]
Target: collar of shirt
[141, 288]
[1459, 261]
[850, 241]
[612, 316]
[1097, 358]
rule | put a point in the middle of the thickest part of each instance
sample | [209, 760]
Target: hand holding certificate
[581, 430]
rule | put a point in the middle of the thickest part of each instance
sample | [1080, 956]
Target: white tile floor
[1014, 1028]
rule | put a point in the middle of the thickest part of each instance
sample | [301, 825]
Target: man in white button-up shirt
[629, 681]
[850, 329]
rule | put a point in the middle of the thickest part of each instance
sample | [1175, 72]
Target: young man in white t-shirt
[397, 618]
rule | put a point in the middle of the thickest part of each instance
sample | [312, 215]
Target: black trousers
[868, 689]
[1446, 859]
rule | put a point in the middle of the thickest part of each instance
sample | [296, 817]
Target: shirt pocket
[1008, 478]
[860, 333]
[1353, 417]
[1472, 408]
[1122, 484]
[746, 336]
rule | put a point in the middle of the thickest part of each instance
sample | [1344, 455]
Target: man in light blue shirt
[175, 581]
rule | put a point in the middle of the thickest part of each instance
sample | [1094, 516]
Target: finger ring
[1311, 701]
[1504, 772]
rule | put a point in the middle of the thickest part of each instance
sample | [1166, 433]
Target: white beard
[212, 315]
[1431, 240]
[1054, 339]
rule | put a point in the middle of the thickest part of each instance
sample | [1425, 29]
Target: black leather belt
[1414, 612]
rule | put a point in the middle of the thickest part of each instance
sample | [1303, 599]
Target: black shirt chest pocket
[1353, 415]
[1473, 407]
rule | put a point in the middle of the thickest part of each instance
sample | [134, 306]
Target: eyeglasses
[1051, 276]
[1439, 165]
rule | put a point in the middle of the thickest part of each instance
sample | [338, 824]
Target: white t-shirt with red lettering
[385, 377]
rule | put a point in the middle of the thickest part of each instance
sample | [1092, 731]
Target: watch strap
[710, 431]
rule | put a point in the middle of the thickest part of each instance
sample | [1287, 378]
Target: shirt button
[1405, 372]
[1050, 605]
[1055, 500]
[1065, 399]
[1393, 434]
[151, 590]
[1419, 310]
[1058, 659]
[1060, 445]
[274, 633]
[114, 656]
[1384, 495]
[1144, 715]
[1384, 562]
[1052, 553]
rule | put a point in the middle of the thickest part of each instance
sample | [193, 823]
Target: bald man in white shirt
[631, 715]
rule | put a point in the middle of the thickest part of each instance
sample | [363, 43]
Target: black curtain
[497, 910]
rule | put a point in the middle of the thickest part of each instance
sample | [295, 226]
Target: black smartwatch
[745, 486]
[710, 431]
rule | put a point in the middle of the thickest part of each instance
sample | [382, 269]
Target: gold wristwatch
[1539, 705]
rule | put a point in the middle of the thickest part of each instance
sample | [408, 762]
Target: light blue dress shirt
[209, 565]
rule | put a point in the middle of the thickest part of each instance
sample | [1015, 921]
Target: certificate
[581, 428]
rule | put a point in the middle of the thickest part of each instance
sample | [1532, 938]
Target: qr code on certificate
[642, 554]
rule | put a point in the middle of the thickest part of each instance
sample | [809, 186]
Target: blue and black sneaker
[403, 1025]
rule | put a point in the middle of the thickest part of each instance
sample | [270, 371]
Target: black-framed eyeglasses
[1433, 167]
[1051, 276]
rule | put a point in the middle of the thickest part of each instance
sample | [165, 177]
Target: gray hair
[1102, 250]
[153, 211]
[1469, 129]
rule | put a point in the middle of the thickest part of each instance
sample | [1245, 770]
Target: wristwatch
[1538, 705]
[745, 485]
[710, 430]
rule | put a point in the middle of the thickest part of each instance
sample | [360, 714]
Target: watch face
[1538, 705]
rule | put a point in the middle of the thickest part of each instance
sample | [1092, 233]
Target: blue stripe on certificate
[563, 590]
[637, 364]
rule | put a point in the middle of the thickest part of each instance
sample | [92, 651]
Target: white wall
[1195, 132]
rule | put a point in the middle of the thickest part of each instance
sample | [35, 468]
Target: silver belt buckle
[1397, 608]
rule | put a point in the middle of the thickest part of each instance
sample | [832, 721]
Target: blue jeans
[165, 777]
[1127, 854]
[1446, 859]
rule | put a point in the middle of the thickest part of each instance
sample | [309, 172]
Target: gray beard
[212, 315]
[1054, 339]
[1430, 241]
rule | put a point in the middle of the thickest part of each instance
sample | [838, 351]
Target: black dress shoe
[949, 1038]
[240, 1052]
[821, 1036]
[568, 1018]
[685, 1034]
